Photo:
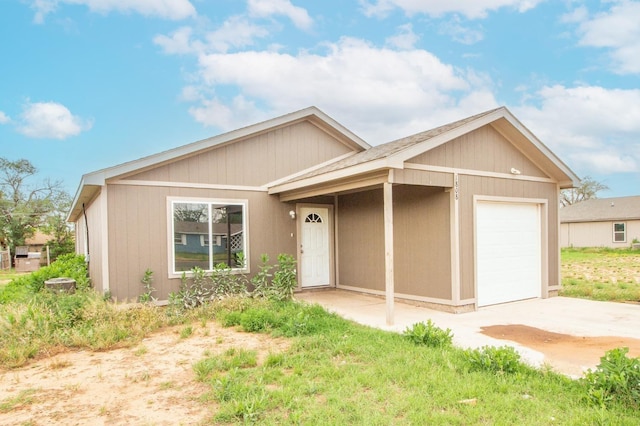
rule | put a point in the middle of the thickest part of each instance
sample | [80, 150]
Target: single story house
[601, 222]
[458, 217]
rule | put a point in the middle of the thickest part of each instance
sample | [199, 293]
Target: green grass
[7, 275]
[337, 372]
[601, 274]
[333, 372]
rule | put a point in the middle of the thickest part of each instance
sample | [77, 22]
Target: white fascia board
[370, 166]
[445, 137]
[542, 147]
[338, 127]
[241, 133]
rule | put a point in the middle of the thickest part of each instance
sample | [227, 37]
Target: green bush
[504, 359]
[284, 279]
[223, 282]
[428, 334]
[67, 266]
[615, 379]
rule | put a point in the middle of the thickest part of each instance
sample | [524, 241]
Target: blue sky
[88, 84]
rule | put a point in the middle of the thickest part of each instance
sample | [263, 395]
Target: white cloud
[178, 42]
[617, 30]
[472, 9]
[593, 127]
[236, 32]
[383, 93]
[577, 15]
[50, 120]
[4, 118]
[459, 32]
[266, 8]
[606, 162]
[166, 9]
[405, 38]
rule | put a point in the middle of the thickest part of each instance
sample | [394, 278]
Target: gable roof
[394, 154]
[602, 209]
[91, 182]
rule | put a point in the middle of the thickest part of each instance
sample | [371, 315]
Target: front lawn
[333, 372]
[601, 274]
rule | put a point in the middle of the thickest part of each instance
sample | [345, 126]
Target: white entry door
[315, 259]
[508, 252]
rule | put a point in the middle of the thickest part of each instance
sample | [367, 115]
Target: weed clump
[428, 334]
[503, 359]
[615, 380]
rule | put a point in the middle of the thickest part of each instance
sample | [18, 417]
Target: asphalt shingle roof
[390, 148]
[602, 209]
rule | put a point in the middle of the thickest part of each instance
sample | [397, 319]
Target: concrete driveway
[586, 329]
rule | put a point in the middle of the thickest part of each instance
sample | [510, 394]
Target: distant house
[458, 217]
[37, 242]
[602, 222]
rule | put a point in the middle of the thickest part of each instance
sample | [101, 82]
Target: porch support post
[388, 250]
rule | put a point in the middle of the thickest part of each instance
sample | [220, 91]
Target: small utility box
[61, 285]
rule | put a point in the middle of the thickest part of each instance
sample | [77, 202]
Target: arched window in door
[313, 218]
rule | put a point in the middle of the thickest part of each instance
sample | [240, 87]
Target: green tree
[587, 190]
[24, 207]
[55, 224]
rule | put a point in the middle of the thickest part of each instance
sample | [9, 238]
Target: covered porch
[393, 233]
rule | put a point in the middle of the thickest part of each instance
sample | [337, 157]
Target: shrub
[504, 359]
[284, 279]
[197, 289]
[194, 291]
[428, 334]
[261, 279]
[147, 279]
[226, 283]
[69, 266]
[615, 379]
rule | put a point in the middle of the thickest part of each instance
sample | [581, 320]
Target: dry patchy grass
[601, 274]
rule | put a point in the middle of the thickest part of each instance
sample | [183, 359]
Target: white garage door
[508, 252]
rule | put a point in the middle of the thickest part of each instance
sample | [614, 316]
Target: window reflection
[208, 234]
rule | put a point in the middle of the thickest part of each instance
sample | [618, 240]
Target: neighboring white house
[604, 222]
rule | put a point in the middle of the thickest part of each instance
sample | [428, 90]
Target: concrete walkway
[575, 317]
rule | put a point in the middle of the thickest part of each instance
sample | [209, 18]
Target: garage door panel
[508, 252]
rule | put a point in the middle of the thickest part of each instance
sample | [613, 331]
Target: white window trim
[623, 232]
[183, 239]
[196, 200]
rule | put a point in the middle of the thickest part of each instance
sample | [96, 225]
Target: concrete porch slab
[573, 317]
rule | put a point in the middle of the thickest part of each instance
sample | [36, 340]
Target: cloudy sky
[88, 84]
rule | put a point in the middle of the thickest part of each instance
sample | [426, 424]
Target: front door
[315, 259]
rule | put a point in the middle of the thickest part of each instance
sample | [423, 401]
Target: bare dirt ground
[152, 383]
[563, 351]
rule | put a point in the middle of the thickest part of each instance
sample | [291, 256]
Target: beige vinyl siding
[361, 240]
[597, 234]
[422, 242]
[488, 186]
[483, 149]
[138, 233]
[255, 161]
[93, 220]
[423, 177]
